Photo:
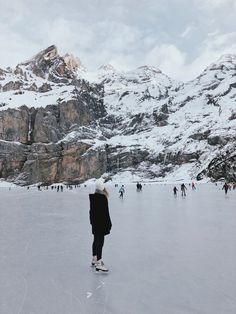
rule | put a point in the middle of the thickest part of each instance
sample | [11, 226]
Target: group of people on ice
[183, 189]
[226, 187]
[122, 189]
[100, 218]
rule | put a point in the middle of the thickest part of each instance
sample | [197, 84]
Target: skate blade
[99, 271]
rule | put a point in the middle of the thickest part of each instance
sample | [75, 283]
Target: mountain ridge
[109, 122]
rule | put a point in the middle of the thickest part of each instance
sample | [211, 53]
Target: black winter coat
[99, 214]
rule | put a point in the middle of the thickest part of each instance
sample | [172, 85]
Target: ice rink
[166, 255]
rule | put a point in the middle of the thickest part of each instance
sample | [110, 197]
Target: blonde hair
[106, 192]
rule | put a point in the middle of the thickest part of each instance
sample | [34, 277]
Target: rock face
[45, 157]
[59, 125]
[14, 125]
[223, 167]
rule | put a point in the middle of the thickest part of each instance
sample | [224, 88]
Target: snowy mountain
[59, 122]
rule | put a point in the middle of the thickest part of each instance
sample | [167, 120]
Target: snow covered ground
[166, 255]
[5, 184]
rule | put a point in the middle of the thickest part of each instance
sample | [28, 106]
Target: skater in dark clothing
[58, 188]
[225, 187]
[183, 188]
[193, 186]
[139, 187]
[61, 188]
[101, 223]
[175, 191]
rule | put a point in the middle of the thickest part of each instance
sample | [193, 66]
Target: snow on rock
[140, 120]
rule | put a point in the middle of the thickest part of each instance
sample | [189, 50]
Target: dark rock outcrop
[160, 118]
[216, 140]
[222, 167]
[16, 85]
[200, 136]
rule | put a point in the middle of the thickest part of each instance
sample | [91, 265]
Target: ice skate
[100, 267]
[94, 261]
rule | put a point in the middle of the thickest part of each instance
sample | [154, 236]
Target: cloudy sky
[181, 37]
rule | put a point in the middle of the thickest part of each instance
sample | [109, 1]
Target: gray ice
[166, 255]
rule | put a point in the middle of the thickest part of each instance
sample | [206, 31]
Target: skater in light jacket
[122, 191]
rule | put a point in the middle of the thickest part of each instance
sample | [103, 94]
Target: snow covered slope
[139, 121]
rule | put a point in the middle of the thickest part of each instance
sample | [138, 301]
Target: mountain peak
[49, 64]
[231, 58]
[225, 62]
[49, 53]
[149, 68]
[107, 67]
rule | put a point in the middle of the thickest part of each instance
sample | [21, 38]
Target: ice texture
[166, 255]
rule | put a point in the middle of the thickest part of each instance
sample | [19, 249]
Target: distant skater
[101, 223]
[139, 186]
[183, 189]
[122, 191]
[175, 191]
[193, 186]
[225, 187]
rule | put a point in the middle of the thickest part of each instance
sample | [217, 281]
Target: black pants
[97, 245]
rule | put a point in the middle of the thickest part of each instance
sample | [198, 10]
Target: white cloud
[173, 61]
[213, 4]
[212, 49]
[181, 37]
[65, 34]
[186, 31]
[168, 58]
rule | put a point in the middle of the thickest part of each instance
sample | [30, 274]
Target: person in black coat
[101, 223]
[183, 189]
[225, 187]
[175, 191]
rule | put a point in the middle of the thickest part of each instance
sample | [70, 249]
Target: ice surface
[166, 255]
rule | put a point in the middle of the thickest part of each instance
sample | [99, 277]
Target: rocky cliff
[60, 123]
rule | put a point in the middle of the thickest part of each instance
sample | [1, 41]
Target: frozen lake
[166, 255]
